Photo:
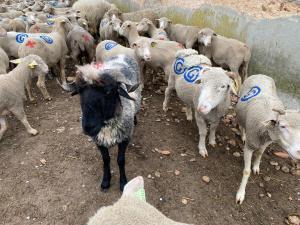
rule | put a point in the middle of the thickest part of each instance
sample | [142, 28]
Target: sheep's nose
[147, 57]
[203, 109]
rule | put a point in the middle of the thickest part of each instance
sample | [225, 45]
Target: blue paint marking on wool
[192, 74]
[255, 91]
[179, 67]
[110, 45]
[20, 38]
[47, 39]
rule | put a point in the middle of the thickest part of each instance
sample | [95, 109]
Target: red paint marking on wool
[86, 38]
[98, 65]
[30, 44]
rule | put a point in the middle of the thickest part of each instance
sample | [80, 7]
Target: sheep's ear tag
[32, 65]
[235, 87]
[140, 194]
[153, 44]
[16, 61]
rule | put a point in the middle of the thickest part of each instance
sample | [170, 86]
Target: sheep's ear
[269, 124]
[32, 65]
[135, 188]
[133, 88]
[124, 93]
[153, 44]
[16, 61]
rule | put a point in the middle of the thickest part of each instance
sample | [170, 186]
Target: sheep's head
[142, 48]
[100, 92]
[34, 63]
[164, 22]
[113, 11]
[126, 27]
[215, 85]
[83, 23]
[205, 35]
[144, 25]
[284, 127]
[62, 25]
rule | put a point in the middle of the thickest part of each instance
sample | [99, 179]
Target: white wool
[186, 52]
[194, 60]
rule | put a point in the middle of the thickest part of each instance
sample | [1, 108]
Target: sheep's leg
[3, 127]
[189, 113]
[257, 160]
[212, 133]
[63, 73]
[168, 91]
[105, 184]
[20, 114]
[28, 88]
[240, 195]
[202, 128]
[121, 163]
[41, 85]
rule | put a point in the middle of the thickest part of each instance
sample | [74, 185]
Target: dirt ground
[53, 178]
[256, 8]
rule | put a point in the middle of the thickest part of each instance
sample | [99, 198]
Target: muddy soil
[53, 178]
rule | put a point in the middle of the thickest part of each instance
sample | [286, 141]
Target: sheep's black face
[98, 105]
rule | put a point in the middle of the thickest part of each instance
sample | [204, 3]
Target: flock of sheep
[39, 36]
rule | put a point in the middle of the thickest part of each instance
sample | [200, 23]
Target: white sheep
[146, 26]
[131, 209]
[4, 61]
[109, 29]
[262, 114]
[12, 90]
[203, 88]
[52, 48]
[93, 11]
[186, 35]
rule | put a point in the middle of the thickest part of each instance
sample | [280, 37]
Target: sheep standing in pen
[52, 48]
[261, 113]
[203, 88]
[93, 11]
[225, 52]
[81, 44]
[108, 111]
[186, 35]
[131, 209]
[146, 26]
[12, 90]
[109, 29]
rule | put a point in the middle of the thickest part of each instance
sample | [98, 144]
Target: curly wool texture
[120, 128]
[192, 58]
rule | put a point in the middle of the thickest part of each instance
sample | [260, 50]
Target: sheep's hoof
[203, 153]
[48, 98]
[105, 186]
[256, 169]
[122, 185]
[240, 196]
[33, 132]
[32, 100]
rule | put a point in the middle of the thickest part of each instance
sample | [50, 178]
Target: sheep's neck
[133, 36]
[21, 74]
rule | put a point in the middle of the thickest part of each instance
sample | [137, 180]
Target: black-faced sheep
[108, 111]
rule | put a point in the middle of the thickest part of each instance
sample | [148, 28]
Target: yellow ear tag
[17, 61]
[153, 44]
[32, 65]
[235, 87]
[51, 20]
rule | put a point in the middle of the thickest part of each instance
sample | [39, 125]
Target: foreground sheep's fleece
[131, 209]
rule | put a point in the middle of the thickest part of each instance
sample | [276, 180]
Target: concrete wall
[275, 43]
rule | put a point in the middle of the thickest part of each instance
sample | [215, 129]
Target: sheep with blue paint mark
[204, 89]
[52, 48]
[110, 98]
[264, 120]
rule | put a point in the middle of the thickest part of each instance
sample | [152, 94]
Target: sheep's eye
[282, 126]
[223, 86]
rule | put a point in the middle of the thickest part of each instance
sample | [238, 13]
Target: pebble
[277, 167]
[267, 179]
[177, 172]
[206, 179]
[295, 172]
[158, 120]
[261, 184]
[269, 195]
[273, 163]
[149, 176]
[184, 201]
[157, 174]
[285, 169]
[237, 154]
[261, 195]
[293, 220]
[193, 160]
